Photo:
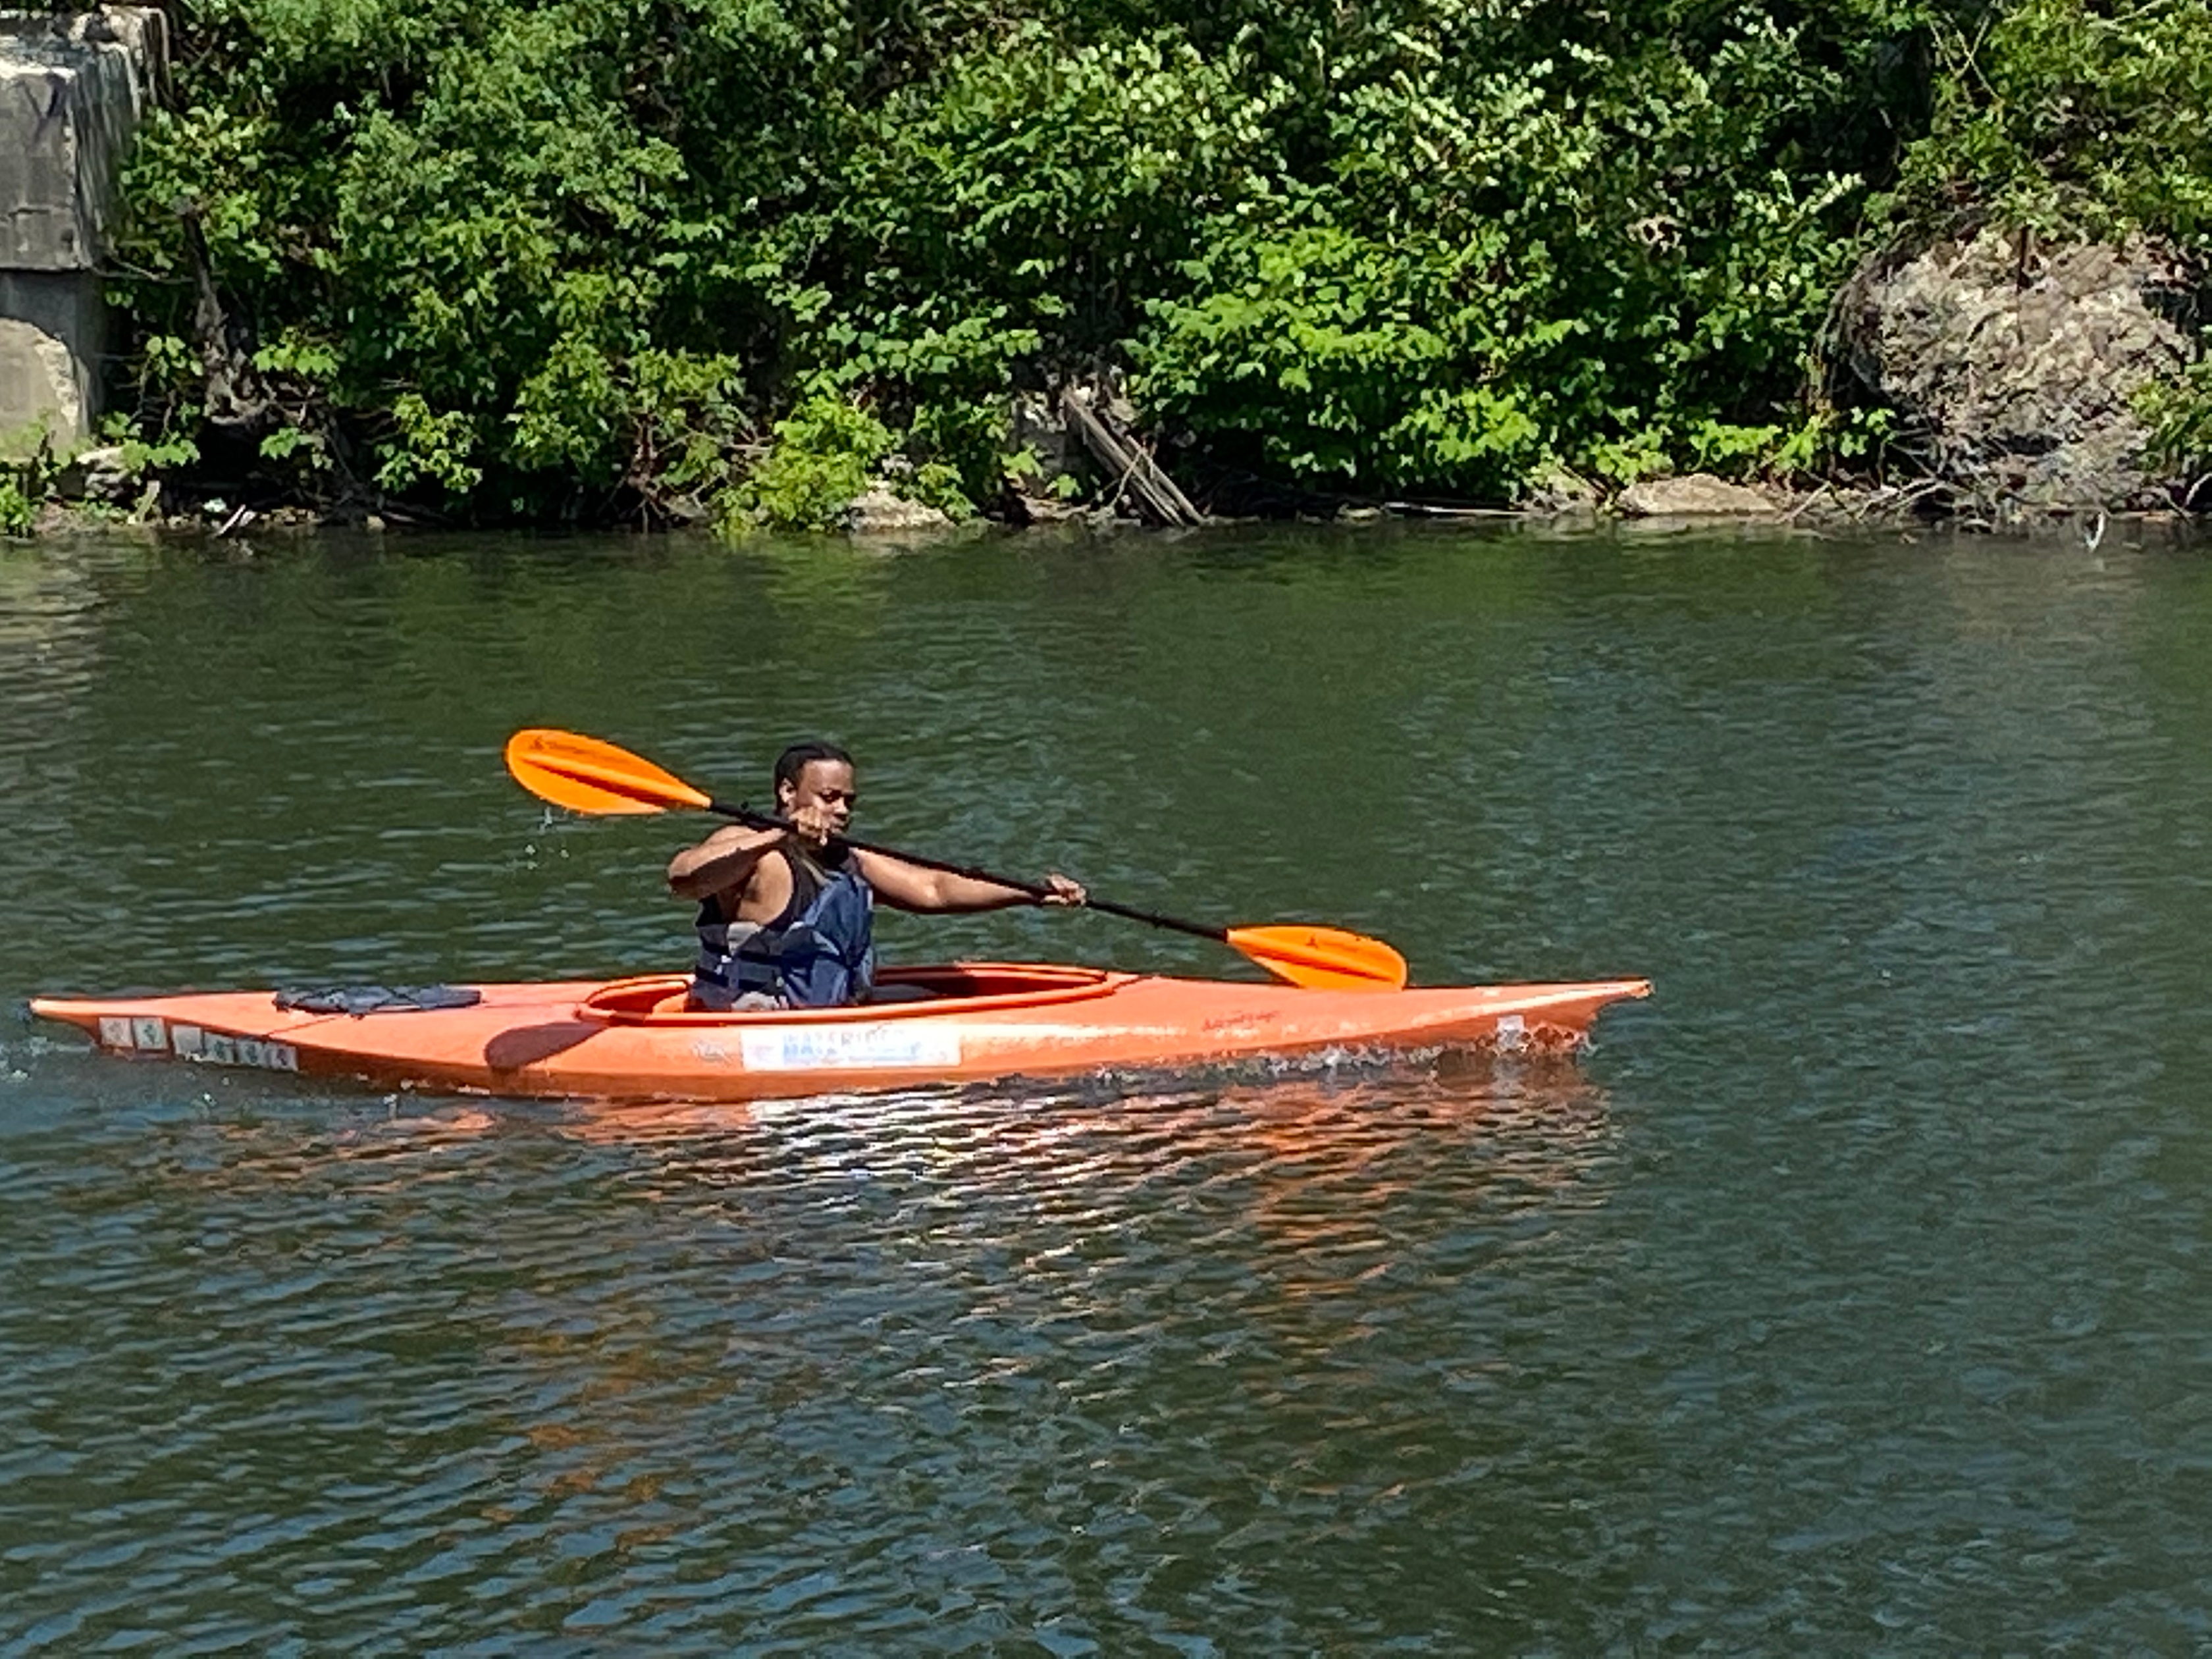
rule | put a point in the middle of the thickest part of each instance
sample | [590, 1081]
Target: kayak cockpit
[920, 992]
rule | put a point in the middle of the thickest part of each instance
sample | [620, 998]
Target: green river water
[1853, 1295]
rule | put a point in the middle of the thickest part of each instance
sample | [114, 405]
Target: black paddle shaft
[745, 815]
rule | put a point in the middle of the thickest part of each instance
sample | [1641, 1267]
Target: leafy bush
[29, 470]
[1337, 360]
[821, 462]
[19, 511]
[2180, 417]
[2074, 117]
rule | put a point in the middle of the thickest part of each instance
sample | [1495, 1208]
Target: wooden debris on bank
[1126, 463]
[1431, 510]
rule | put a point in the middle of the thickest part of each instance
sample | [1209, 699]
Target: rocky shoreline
[1698, 501]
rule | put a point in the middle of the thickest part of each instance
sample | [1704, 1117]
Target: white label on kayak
[115, 1031]
[894, 1043]
[1512, 1031]
[185, 1041]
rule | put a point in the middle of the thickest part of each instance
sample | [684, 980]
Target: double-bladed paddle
[586, 775]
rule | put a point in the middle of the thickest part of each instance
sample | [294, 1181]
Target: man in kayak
[785, 918]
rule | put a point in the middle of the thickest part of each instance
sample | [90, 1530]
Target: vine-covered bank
[496, 260]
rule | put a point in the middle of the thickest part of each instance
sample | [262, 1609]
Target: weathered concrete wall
[72, 93]
[51, 335]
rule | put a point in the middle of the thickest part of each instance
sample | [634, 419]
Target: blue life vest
[819, 953]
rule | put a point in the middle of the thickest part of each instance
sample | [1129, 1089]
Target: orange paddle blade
[586, 776]
[1323, 958]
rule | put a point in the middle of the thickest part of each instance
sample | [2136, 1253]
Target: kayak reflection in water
[786, 920]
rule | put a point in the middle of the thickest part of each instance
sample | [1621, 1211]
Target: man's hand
[1063, 892]
[814, 825]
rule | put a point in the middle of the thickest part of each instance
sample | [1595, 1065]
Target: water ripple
[857, 1360]
[1849, 1296]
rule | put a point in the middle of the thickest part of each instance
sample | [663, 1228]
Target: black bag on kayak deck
[359, 999]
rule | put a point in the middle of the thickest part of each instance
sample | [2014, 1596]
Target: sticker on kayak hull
[151, 1034]
[893, 1045]
[147, 1031]
[218, 1049]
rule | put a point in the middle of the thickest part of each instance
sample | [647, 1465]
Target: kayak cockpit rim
[661, 1000]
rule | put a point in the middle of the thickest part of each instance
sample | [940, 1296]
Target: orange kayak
[633, 1039]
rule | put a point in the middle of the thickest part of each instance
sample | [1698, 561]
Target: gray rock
[73, 90]
[1560, 490]
[98, 475]
[878, 512]
[1034, 508]
[2014, 367]
[1698, 496]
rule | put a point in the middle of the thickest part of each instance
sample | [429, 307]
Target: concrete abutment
[73, 90]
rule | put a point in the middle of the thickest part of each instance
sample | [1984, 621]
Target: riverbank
[1699, 504]
[479, 269]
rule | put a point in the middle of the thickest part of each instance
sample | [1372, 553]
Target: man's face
[825, 786]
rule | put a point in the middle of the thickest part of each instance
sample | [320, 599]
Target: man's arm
[909, 887]
[724, 860]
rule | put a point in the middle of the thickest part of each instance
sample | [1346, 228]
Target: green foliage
[1604, 237]
[1853, 437]
[29, 470]
[1336, 360]
[938, 484]
[477, 252]
[2074, 117]
[823, 455]
[19, 508]
[144, 455]
[2180, 419]
[571, 258]
[961, 446]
